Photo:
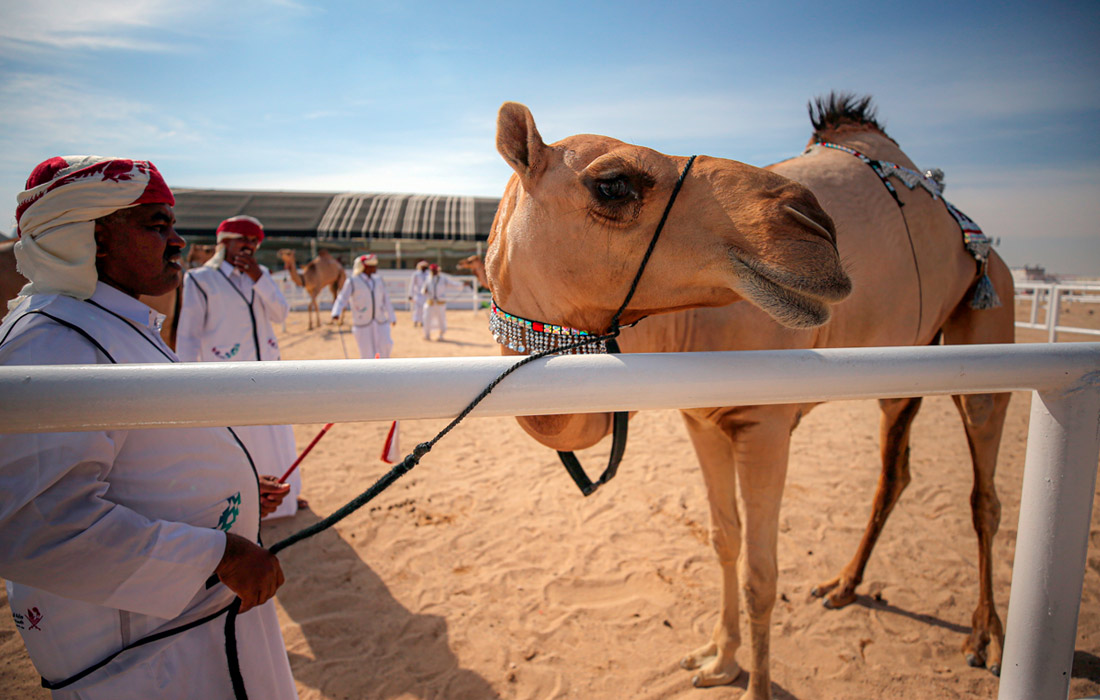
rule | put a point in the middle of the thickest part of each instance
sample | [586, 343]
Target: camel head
[199, 254]
[471, 263]
[577, 216]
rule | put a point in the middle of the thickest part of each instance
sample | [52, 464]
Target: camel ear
[519, 142]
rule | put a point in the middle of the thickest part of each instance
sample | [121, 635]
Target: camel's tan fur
[747, 262]
[323, 271]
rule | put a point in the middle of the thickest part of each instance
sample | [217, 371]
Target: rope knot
[413, 458]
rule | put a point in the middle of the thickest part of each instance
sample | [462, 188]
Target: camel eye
[614, 190]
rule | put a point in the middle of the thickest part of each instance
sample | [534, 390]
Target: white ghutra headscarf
[56, 218]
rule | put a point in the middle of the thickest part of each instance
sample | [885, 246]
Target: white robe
[435, 290]
[108, 537]
[224, 317]
[416, 294]
[371, 314]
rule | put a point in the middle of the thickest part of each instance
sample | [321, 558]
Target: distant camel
[474, 265]
[197, 255]
[323, 271]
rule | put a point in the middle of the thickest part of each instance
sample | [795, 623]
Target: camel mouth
[795, 301]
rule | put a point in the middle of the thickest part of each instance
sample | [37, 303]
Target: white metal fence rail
[1052, 296]
[1059, 473]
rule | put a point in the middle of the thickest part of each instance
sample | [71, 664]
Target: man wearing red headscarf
[371, 311]
[435, 289]
[108, 537]
[229, 309]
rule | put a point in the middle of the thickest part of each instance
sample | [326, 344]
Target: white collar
[125, 305]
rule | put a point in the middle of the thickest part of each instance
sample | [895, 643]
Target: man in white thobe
[416, 293]
[107, 537]
[371, 311]
[227, 314]
[435, 290]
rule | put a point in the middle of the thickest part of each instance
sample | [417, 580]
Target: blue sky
[402, 96]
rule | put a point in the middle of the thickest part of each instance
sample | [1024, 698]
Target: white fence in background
[1059, 473]
[397, 285]
[1050, 297]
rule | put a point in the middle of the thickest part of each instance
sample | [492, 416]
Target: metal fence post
[1054, 307]
[1063, 446]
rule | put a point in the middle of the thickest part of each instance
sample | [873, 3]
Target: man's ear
[100, 236]
[519, 142]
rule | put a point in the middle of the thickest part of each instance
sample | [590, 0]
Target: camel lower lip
[793, 308]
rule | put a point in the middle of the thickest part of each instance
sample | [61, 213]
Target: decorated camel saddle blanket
[976, 242]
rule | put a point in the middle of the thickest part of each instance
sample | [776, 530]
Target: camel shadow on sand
[879, 604]
[389, 652]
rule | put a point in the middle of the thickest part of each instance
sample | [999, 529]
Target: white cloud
[432, 170]
[89, 24]
[703, 117]
[41, 109]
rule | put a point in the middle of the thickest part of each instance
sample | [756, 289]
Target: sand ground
[485, 574]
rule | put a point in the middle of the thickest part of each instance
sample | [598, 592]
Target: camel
[476, 266]
[323, 271]
[750, 259]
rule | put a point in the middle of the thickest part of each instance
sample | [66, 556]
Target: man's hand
[249, 570]
[248, 265]
[337, 320]
[272, 494]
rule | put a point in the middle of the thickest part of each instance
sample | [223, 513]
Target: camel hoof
[838, 600]
[974, 661]
[711, 680]
[995, 669]
[696, 659]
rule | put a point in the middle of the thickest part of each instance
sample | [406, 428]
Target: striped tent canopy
[331, 215]
[408, 216]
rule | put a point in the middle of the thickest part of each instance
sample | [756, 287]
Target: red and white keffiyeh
[56, 214]
[363, 262]
[239, 227]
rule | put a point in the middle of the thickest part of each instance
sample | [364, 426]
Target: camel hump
[843, 111]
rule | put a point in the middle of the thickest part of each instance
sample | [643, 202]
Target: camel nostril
[824, 226]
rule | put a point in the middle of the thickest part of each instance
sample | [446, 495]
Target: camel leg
[715, 453]
[983, 419]
[760, 452]
[894, 430]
